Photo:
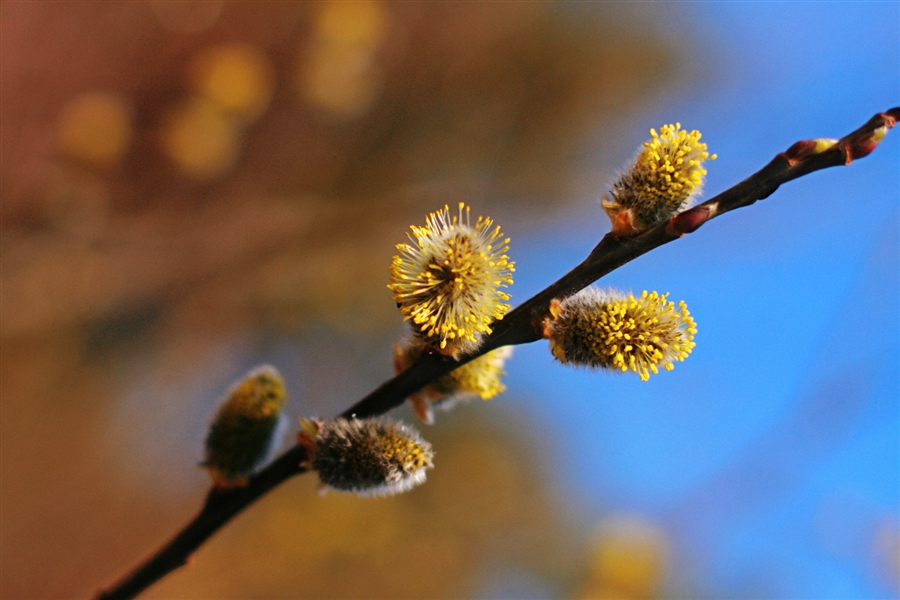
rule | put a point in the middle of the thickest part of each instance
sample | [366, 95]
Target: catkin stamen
[447, 282]
[667, 173]
[609, 330]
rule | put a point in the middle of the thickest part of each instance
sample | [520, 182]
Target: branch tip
[865, 146]
[859, 145]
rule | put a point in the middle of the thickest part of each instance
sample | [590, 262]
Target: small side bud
[368, 457]
[309, 431]
[666, 175]
[609, 330]
[864, 147]
[805, 148]
[861, 145]
[245, 429]
[481, 377]
[690, 220]
[823, 144]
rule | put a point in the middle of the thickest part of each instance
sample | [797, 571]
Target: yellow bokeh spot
[238, 78]
[96, 128]
[342, 79]
[629, 558]
[200, 139]
[340, 72]
[361, 23]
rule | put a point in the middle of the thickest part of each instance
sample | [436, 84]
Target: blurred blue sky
[772, 455]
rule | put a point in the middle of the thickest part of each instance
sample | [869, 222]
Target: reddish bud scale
[864, 147]
[800, 150]
[688, 221]
[859, 148]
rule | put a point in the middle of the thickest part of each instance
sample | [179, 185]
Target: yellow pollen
[665, 175]
[623, 333]
[450, 280]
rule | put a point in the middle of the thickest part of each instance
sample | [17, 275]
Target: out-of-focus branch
[522, 325]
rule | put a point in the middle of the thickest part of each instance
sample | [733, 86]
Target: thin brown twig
[521, 326]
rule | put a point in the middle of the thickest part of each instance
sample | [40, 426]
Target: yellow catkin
[448, 282]
[245, 427]
[610, 330]
[667, 173]
[481, 378]
[367, 457]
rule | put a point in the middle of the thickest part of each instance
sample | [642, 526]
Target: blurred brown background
[189, 189]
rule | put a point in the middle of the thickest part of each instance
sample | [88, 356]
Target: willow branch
[521, 326]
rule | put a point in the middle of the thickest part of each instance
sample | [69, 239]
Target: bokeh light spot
[361, 23]
[237, 77]
[95, 127]
[341, 73]
[629, 559]
[341, 79]
[200, 139]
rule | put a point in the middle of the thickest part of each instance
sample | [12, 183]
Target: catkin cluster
[620, 332]
[448, 283]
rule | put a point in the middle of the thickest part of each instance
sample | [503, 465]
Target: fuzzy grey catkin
[373, 456]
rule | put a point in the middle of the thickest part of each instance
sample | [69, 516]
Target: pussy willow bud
[448, 283]
[667, 173]
[245, 428]
[609, 330]
[367, 457]
[481, 377]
